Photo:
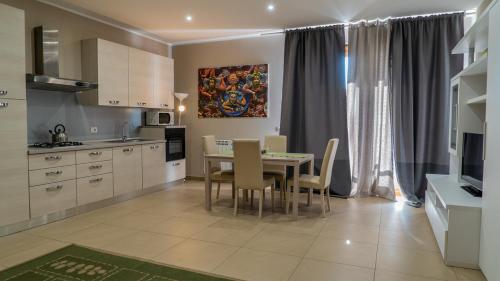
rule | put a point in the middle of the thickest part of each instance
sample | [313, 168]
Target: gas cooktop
[57, 144]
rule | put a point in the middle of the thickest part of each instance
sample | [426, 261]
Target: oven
[176, 143]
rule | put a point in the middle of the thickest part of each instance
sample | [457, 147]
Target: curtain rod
[468, 12]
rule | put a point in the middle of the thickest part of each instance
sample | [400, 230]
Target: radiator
[224, 145]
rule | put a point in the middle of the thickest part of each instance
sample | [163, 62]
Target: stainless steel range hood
[46, 62]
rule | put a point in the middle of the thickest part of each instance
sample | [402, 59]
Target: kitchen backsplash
[47, 109]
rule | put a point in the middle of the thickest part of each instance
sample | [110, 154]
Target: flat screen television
[472, 160]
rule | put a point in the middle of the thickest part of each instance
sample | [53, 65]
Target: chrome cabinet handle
[129, 149]
[54, 188]
[164, 105]
[176, 164]
[154, 147]
[95, 153]
[144, 103]
[95, 167]
[3, 92]
[52, 157]
[138, 103]
[114, 101]
[4, 104]
[56, 173]
[95, 180]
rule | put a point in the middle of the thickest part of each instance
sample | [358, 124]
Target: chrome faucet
[125, 131]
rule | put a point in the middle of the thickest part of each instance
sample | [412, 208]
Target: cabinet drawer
[49, 198]
[95, 188]
[94, 155]
[50, 175]
[49, 160]
[95, 168]
[439, 227]
[176, 170]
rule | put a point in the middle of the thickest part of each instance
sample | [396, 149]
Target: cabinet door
[127, 169]
[112, 71]
[14, 198]
[141, 78]
[176, 170]
[164, 90]
[12, 53]
[153, 164]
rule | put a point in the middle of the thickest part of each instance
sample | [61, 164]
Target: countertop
[448, 190]
[90, 145]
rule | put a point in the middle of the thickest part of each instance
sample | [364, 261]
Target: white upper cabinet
[106, 63]
[142, 74]
[12, 54]
[164, 87]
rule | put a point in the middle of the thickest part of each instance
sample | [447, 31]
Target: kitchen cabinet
[12, 53]
[53, 197]
[50, 175]
[176, 170]
[153, 164]
[127, 169]
[164, 84]
[93, 169]
[94, 188]
[106, 63]
[142, 78]
[14, 198]
[51, 160]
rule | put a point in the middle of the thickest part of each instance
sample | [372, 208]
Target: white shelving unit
[477, 100]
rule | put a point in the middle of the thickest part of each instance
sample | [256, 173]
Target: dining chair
[276, 144]
[216, 174]
[248, 172]
[321, 182]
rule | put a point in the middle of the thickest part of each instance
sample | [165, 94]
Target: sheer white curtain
[368, 109]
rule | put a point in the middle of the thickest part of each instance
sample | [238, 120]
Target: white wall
[189, 58]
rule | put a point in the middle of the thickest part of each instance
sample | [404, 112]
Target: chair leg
[282, 192]
[218, 191]
[328, 199]
[322, 193]
[261, 201]
[273, 188]
[251, 198]
[232, 189]
[287, 199]
[309, 197]
[236, 202]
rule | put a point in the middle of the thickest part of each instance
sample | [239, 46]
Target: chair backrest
[209, 145]
[325, 175]
[248, 171]
[275, 143]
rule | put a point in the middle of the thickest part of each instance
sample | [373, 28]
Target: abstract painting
[233, 91]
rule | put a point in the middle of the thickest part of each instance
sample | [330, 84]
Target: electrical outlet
[93, 130]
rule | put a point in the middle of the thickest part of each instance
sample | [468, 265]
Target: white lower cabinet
[94, 188]
[50, 175]
[176, 170]
[153, 165]
[94, 168]
[53, 197]
[127, 169]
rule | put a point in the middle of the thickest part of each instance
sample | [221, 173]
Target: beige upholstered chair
[248, 171]
[321, 182]
[276, 144]
[216, 174]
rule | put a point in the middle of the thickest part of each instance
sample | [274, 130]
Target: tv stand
[455, 218]
[472, 190]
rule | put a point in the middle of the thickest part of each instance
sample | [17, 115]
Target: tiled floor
[363, 239]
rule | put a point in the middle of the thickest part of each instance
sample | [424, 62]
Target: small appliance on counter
[159, 118]
[59, 138]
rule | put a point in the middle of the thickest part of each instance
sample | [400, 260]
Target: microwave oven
[159, 118]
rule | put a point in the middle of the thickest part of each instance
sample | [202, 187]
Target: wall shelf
[477, 36]
[479, 67]
[477, 100]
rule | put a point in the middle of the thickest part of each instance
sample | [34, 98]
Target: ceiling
[214, 19]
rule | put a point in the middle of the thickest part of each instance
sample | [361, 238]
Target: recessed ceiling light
[270, 7]
[189, 18]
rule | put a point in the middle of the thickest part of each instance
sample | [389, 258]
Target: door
[164, 87]
[490, 228]
[14, 197]
[153, 164]
[112, 71]
[127, 169]
[12, 53]
[141, 78]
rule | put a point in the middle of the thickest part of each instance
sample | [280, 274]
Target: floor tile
[414, 262]
[31, 253]
[143, 245]
[184, 227]
[281, 222]
[19, 242]
[412, 238]
[363, 218]
[98, 235]
[464, 274]
[344, 231]
[381, 275]
[107, 214]
[230, 232]
[61, 229]
[198, 255]
[344, 252]
[137, 220]
[313, 270]
[281, 242]
[247, 264]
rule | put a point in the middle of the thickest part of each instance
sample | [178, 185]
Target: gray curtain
[314, 98]
[368, 107]
[421, 68]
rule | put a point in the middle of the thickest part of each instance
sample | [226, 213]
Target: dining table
[294, 160]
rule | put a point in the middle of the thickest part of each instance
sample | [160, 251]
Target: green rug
[75, 263]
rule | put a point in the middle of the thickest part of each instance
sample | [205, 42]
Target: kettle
[59, 134]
